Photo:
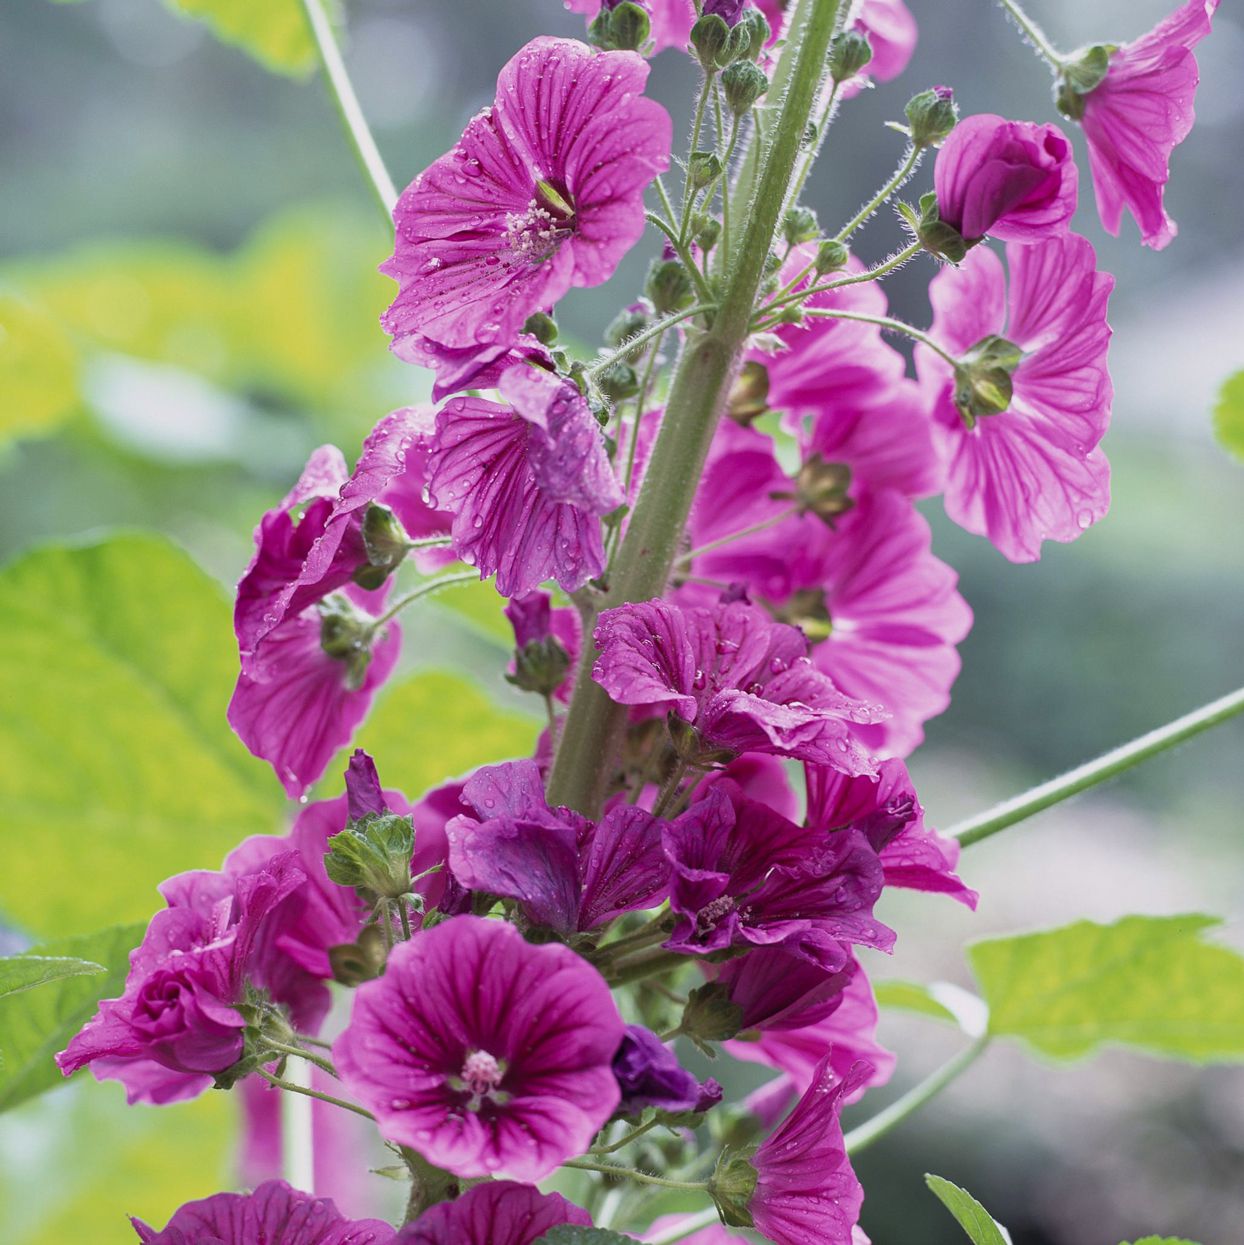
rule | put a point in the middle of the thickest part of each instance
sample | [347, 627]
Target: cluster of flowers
[501, 947]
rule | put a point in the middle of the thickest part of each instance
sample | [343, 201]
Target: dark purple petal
[625, 866]
[498, 1212]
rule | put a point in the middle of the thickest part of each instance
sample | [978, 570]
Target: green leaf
[572, 1234]
[38, 371]
[34, 1025]
[1151, 983]
[119, 768]
[971, 1216]
[274, 32]
[909, 996]
[1229, 416]
[434, 727]
[77, 1172]
[25, 972]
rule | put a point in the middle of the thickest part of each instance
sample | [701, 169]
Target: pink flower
[1138, 114]
[543, 192]
[845, 1034]
[175, 1026]
[743, 681]
[892, 32]
[888, 812]
[497, 1213]
[671, 19]
[806, 1192]
[526, 482]
[274, 1214]
[743, 875]
[649, 1075]
[1032, 472]
[296, 703]
[482, 1052]
[1013, 180]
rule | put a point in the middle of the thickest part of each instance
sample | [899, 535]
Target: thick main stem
[697, 397]
[1101, 770]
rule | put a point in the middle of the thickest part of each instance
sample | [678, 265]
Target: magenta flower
[806, 1191]
[296, 704]
[274, 1214]
[527, 482]
[543, 192]
[499, 1212]
[566, 872]
[1032, 472]
[649, 1075]
[1013, 180]
[671, 19]
[743, 681]
[892, 32]
[881, 612]
[175, 1026]
[1138, 114]
[775, 988]
[889, 814]
[743, 875]
[846, 1034]
[482, 1052]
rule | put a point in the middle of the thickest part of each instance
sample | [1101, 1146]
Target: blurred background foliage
[189, 303]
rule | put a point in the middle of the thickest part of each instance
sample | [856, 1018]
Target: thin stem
[641, 939]
[915, 1098]
[424, 590]
[670, 789]
[723, 254]
[405, 918]
[706, 369]
[290, 1087]
[657, 329]
[320, 1062]
[630, 1173]
[642, 966]
[884, 322]
[680, 249]
[783, 299]
[627, 1138]
[771, 521]
[1034, 34]
[349, 109]
[688, 1227]
[1101, 770]
[306, 1040]
[688, 190]
[907, 166]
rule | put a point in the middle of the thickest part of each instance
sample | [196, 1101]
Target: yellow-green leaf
[909, 996]
[1229, 415]
[38, 371]
[1150, 983]
[274, 32]
[119, 767]
[971, 1216]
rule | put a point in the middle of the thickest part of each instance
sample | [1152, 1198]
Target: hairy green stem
[907, 166]
[656, 329]
[349, 109]
[625, 1140]
[915, 1098]
[706, 369]
[629, 1173]
[423, 590]
[280, 1048]
[1034, 34]
[887, 323]
[1101, 770]
[291, 1088]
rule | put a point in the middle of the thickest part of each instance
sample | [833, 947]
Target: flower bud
[931, 115]
[1080, 77]
[353, 963]
[668, 286]
[706, 231]
[386, 543]
[618, 382]
[743, 83]
[372, 855]
[626, 324]
[620, 27]
[731, 1187]
[831, 256]
[800, 225]
[822, 489]
[704, 167]
[938, 237]
[711, 39]
[542, 327]
[540, 666]
[749, 396]
[983, 383]
[345, 633]
[754, 22]
[848, 54]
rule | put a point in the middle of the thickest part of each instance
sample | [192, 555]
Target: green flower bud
[711, 39]
[754, 22]
[706, 231]
[931, 115]
[831, 256]
[704, 167]
[625, 325]
[353, 963]
[372, 855]
[749, 396]
[800, 225]
[743, 83]
[542, 327]
[386, 543]
[669, 286]
[629, 27]
[618, 382]
[540, 666]
[848, 54]
[983, 384]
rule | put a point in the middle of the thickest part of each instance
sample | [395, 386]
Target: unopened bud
[743, 83]
[848, 54]
[626, 324]
[386, 544]
[668, 286]
[372, 855]
[618, 381]
[749, 396]
[353, 963]
[831, 256]
[703, 168]
[754, 22]
[542, 327]
[800, 225]
[629, 27]
[706, 231]
[931, 115]
[711, 39]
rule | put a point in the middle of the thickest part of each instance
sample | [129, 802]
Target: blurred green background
[189, 300]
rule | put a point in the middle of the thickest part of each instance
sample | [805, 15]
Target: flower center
[708, 916]
[533, 235]
[481, 1073]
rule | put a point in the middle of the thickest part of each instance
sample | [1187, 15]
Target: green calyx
[372, 855]
[710, 1016]
[849, 53]
[541, 666]
[749, 396]
[386, 544]
[931, 115]
[936, 235]
[732, 1187]
[983, 384]
[345, 635]
[1082, 75]
[623, 29]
